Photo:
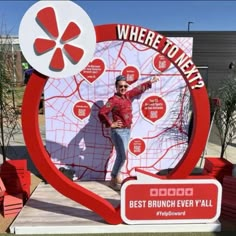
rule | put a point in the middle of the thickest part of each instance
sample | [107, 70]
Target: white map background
[84, 146]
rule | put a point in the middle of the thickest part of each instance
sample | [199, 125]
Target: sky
[154, 15]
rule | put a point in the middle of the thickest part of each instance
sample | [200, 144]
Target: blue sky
[155, 15]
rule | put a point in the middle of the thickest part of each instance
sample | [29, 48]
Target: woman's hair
[120, 78]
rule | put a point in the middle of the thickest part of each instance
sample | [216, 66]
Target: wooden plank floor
[48, 207]
[49, 212]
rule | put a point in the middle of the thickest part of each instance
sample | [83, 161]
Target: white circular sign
[57, 38]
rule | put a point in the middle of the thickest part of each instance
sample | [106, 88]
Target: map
[77, 140]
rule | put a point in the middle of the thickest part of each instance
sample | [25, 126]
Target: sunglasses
[123, 86]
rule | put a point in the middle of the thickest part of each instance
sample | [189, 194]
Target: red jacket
[121, 106]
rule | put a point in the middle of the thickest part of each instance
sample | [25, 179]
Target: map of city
[77, 140]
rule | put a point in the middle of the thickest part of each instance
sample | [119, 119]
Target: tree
[225, 116]
[8, 112]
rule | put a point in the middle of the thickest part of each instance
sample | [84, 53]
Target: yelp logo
[57, 38]
[46, 18]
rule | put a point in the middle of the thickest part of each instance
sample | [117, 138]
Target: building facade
[213, 53]
[12, 58]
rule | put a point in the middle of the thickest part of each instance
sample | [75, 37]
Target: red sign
[180, 201]
[93, 70]
[161, 63]
[81, 110]
[89, 199]
[137, 146]
[131, 73]
[153, 108]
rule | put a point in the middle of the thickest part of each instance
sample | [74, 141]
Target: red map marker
[137, 146]
[93, 70]
[81, 110]
[131, 73]
[161, 63]
[153, 108]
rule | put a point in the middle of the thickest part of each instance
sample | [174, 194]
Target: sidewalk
[18, 150]
[213, 147]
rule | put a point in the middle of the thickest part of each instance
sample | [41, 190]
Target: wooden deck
[49, 212]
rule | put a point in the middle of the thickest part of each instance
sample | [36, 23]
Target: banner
[76, 139]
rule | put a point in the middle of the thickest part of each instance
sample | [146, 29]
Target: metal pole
[190, 22]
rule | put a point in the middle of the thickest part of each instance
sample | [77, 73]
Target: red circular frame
[61, 183]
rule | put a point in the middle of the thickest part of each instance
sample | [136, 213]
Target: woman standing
[120, 106]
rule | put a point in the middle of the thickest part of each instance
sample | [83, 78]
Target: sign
[34, 90]
[93, 70]
[161, 63]
[81, 110]
[137, 146]
[54, 43]
[153, 108]
[170, 201]
[131, 73]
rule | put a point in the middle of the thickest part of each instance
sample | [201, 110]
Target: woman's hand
[117, 124]
[155, 79]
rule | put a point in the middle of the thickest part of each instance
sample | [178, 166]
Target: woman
[120, 106]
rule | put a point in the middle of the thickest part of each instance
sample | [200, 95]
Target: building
[213, 53]
[12, 56]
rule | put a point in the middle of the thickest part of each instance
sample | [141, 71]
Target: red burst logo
[46, 18]
[57, 38]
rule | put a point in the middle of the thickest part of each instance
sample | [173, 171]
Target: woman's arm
[142, 87]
